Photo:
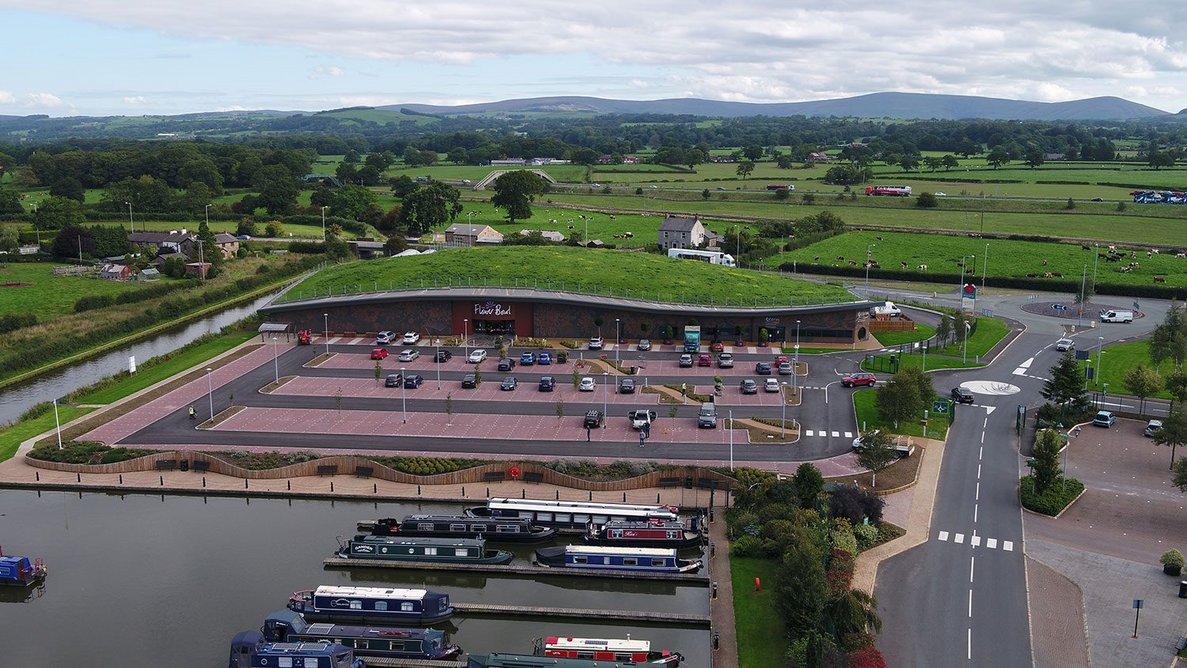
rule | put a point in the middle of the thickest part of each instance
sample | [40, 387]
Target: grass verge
[1117, 360]
[922, 332]
[868, 418]
[761, 638]
[989, 332]
[12, 435]
[1051, 502]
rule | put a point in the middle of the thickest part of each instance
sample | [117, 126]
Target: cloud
[42, 100]
[7, 97]
[135, 99]
[320, 72]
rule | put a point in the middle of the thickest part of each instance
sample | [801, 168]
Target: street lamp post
[795, 368]
[984, 266]
[466, 336]
[323, 223]
[731, 431]
[326, 318]
[868, 247]
[605, 394]
[206, 211]
[275, 363]
[131, 225]
[1100, 342]
[201, 260]
[783, 404]
[404, 393]
[960, 287]
[57, 424]
[437, 361]
[964, 355]
[210, 393]
[617, 338]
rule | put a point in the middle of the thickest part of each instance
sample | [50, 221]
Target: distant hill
[874, 105]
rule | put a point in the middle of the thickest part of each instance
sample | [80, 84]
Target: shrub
[746, 546]
[274, 229]
[844, 537]
[926, 201]
[85, 452]
[1054, 499]
[12, 321]
[866, 657]
[1172, 558]
[855, 504]
[866, 536]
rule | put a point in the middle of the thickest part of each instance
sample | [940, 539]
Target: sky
[123, 57]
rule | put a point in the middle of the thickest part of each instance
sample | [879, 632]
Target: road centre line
[972, 567]
[970, 602]
[970, 644]
[977, 497]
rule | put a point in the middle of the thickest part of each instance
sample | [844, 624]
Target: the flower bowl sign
[492, 308]
[968, 297]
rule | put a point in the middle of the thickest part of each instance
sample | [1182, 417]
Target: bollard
[464, 493]
[591, 495]
[374, 488]
[121, 478]
[624, 497]
[290, 485]
[715, 590]
[79, 477]
[657, 498]
[331, 485]
[418, 490]
[757, 584]
[523, 494]
[37, 475]
[558, 495]
[1183, 589]
[716, 640]
[245, 483]
[162, 481]
[203, 482]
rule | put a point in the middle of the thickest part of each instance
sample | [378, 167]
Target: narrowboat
[401, 643]
[250, 650]
[653, 533]
[501, 530]
[367, 605]
[504, 660]
[16, 571]
[570, 514]
[603, 649]
[427, 550]
[622, 559]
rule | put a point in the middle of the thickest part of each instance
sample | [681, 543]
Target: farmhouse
[115, 272]
[681, 232]
[468, 235]
[164, 241]
[550, 235]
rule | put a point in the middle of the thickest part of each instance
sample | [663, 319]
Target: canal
[147, 581]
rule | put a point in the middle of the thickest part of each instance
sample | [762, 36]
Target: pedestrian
[642, 436]
[587, 434]
[192, 413]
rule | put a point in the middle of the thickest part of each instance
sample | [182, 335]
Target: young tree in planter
[1046, 459]
[1180, 478]
[809, 485]
[576, 377]
[1066, 386]
[898, 400]
[1143, 381]
[1172, 562]
[877, 452]
[598, 321]
[763, 336]
[560, 410]
[944, 329]
[378, 372]
[1174, 431]
[477, 375]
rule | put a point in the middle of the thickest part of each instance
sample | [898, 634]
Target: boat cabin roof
[370, 592]
[624, 551]
[466, 519]
[606, 644]
[15, 562]
[445, 541]
[579, 507]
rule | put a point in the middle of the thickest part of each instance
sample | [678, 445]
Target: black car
[414, 381]
[626, 386]
[509, 383]
[762, 368]
[644, 344]
[393, 380]
[962, 396]
[469, 381]
[506, 364]
[547, 384]
[593, 419]
[443, 356]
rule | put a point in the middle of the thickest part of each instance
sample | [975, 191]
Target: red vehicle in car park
[780, 359]
[379, 353]
[717, 346]
[304, 337]
[855, 379]
[704, 359]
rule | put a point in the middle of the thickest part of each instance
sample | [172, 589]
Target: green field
[952, 356]
[1116, 360]
[922, 332]
[942, 255]
[868, 418]
[49, 296]
[761, 637]
[632, 275]
[12, 435]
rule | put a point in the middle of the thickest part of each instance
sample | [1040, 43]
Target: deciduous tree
[876, 453]
[808, 484]
[1174, 430]
[745, 169]
[515, 191]
[1143, 382]
[429, 206]
[1046, 459]
[1066, 385]
[1169, 339]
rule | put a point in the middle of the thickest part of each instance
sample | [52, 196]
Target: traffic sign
[970, 290]
[940, 406]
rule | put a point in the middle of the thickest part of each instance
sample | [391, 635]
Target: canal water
[147, 581]
[16, 400]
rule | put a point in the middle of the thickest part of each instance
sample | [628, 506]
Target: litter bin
[1182, 591]
[185, 465]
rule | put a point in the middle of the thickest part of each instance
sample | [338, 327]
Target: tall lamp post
[783, 403]
[326, 318]
[605, 394]
[57, 424]
[437, 360]
[795, 369]
[466, 336]
[868, 247]
[984, 266]
[206, 212]
[731, 431]
[1100, 342]
[323, 223]
[964, 355]
[404, 393]
[131, 226]
[275, 363]
[210, 392]
[617, 337]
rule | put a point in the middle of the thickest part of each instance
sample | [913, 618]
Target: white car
[384, 338]
[586, 384]
[941, 194]
[411, 338]
[1064, 345]
[409, 355]
[477, 356]
[595, 343]
[771, 385]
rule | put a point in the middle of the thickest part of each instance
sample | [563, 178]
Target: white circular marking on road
[992, 387]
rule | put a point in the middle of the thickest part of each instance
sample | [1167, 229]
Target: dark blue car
[527, 359]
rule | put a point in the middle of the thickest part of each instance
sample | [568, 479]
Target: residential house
[159, 261]
[164, 241]
[228, 244]
[819, 157]
[468, 235]
[115, 272]
[630, 159]
[681, 232]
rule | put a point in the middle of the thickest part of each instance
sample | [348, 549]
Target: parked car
[595, 343]
[527, 359]
[1064, 345]
[685, 361]
[409, 355]
[785, 368]
[509, 383]
[413, 381]
[1104, 419]
[644, 344]
[547, 383]
[443, 356]
[506, 364]
[704, 359]
[469, 381]
[384, 338]
[860, 378]
[544, 357]
[393, 380]
[771, 385]
[586, 384]
[593, 419]
[379, 353]
[1152, 428]
[626, 386]
[962, 395]
[780, 359]
[725, 361]
[716, 346]
[707, 416]
[411, 338]
[762, 368]
[476, 356]
[749, 386]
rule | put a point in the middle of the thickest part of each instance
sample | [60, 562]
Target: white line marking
[958, 538]
[980, 453]
[978, 470]
[970, 603]
[970, 656]
[1008, 545]
[972, 566]
[991, 543]
[982, 437]
[989, 411]
[975, 513]
[943, 535]
[808, 432]
[975, 541]
[985, 424]
[836, 434]
[978, 495]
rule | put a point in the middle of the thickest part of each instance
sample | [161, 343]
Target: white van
[1116, 316]
[887, 309]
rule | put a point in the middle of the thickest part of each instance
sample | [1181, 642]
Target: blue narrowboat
[401, 643]
[16, 571]
[250, 650]
[366, 605]
[501, 530]
[429, 550]
[623, 559]
[503, 660]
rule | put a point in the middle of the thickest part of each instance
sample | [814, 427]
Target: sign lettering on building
[492, 308]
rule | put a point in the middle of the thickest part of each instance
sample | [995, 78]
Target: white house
[681, 232]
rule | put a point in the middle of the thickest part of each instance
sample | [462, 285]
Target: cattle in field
[1160, 279]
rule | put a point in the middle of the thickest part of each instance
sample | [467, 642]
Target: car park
[384, 338]
[411, 338]
[586, 384]
[962, 395]
[1152, 428]
[544, 357]
[595, 343]
[443, 356]
[476, 356]
[506, 364]
[704, 359]
[593, 419]
[685, 361]
[413, 381]
[409, 355]
[379, 353]
[717, 346]
[771, 385]
[725, 361]
[861, 378]
[509, 383]
[469, 381]
[1104, 419]
[762, 368]
[626, 386]
[547, 384]
[748, 386]
[785, 368]
[527, 359]
[393, 380]
[644, 344]
[1064, 345]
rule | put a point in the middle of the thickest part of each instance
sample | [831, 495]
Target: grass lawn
[922, 332]
[632, 275]
[952, 356]
[762, 641]
[49, 296]
[1116, 360]
[867, 418]
[13, 434]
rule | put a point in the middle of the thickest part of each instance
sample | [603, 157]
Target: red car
[704, 359]
[780, 359]
[855, 379]
[378, 353]
[717, 346]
